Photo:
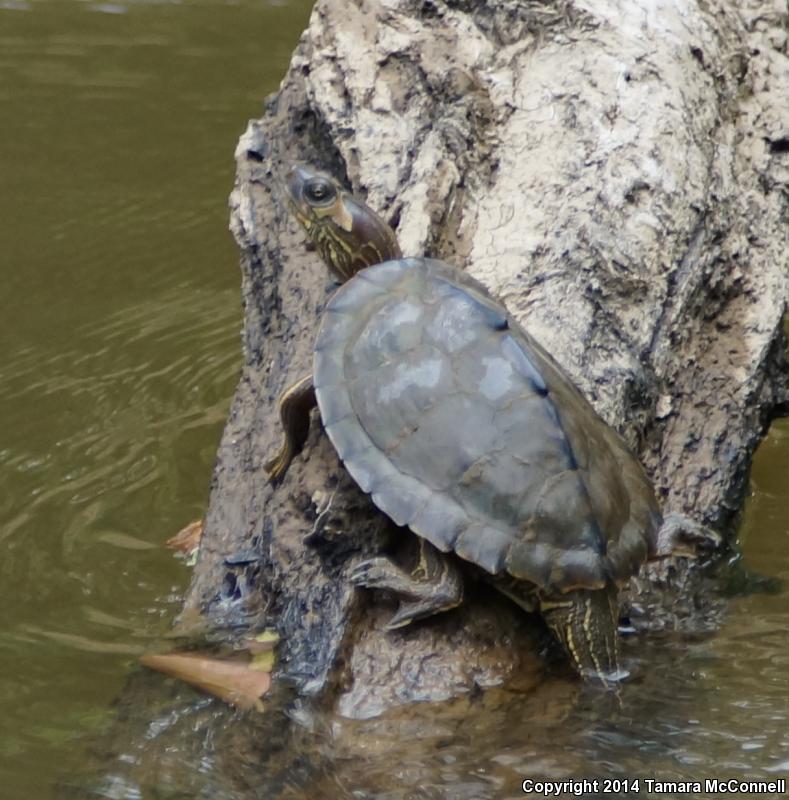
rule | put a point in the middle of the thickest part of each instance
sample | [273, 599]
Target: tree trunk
[616, 173]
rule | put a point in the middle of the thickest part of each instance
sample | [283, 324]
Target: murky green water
[120, 328]
[119, 321]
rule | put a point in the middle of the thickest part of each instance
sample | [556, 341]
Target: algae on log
[616, 172]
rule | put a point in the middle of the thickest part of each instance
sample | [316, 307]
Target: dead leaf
[187, 540]
[235, 682]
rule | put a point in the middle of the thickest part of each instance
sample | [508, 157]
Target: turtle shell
[464, 429]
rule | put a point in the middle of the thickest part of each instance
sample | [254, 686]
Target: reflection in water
[120, 323]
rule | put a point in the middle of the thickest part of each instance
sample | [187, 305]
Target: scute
[441, 521]
[519, 358]
[401, 499]
[462, 427]
[394, 327]
[485, 546]
[390, 398]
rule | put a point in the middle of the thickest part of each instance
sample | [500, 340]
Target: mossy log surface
[616, 172]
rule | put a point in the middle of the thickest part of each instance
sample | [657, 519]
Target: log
[616, 173]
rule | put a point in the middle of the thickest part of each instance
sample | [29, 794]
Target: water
[120, 327]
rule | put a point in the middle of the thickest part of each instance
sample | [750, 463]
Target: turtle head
[348, 234]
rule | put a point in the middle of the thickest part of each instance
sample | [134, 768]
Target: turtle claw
[427, 592]
[408, 613]
[378, 573]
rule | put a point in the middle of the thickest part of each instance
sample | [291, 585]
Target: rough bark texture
[616, 172]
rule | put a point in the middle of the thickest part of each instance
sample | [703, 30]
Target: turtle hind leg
[585, 622]
[434, 585]
[295, 405]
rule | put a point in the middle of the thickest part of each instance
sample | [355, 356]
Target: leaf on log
[236, 682]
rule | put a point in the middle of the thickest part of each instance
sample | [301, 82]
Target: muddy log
[616, 172]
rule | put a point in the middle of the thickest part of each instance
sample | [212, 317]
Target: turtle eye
[320, 191]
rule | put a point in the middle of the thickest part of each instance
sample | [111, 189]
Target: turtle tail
[585, 622]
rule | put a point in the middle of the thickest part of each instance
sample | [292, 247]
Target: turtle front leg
[295, 405]
[585, 622]
[433, 586]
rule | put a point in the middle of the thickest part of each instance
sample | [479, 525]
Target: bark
[616, 172]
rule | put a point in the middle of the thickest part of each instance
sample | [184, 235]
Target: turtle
[463, 428]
